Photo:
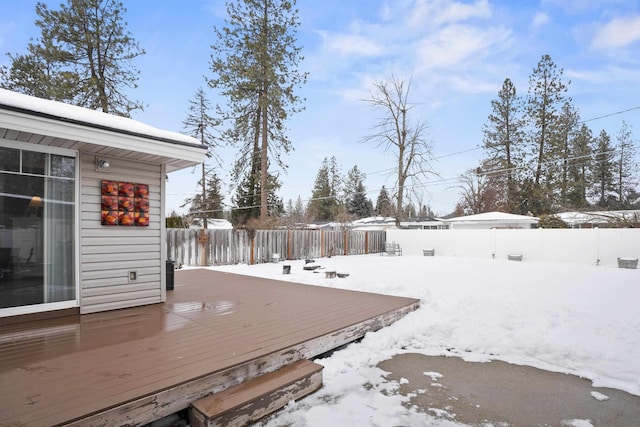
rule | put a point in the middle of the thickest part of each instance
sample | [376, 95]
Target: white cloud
[451, 43]
[456, 44]
[386, 12]
[350, 45]
[603, 76]
[540, 19]
[442, 12]
[618, 33]
[581, 6]
[471, 84]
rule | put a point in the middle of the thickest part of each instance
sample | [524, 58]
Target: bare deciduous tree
[480, 193]
[398, 134]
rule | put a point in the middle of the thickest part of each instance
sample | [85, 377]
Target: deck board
[58, 370]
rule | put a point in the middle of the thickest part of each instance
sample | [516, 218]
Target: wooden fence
[221, 247]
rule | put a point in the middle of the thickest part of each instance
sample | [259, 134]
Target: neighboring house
[377, 223]
[212, 224]
[489, 220]
[82, 207]
[426, 224]
[604, 219]
[373, 223]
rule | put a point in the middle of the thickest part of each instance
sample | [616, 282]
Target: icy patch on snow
[433, 375]
[577, 423]
[599, 396]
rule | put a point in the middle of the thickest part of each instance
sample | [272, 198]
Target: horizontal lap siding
[108, 253]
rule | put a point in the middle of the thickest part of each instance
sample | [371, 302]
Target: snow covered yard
[576, 319]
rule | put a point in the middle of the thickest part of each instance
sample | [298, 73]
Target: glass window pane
[63, 166]
[59, 248]
[33, 163]
[9, 159]
[22, 251]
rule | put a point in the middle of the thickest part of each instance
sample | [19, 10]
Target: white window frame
[39, 308]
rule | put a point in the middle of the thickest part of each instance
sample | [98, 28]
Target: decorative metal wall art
[125, 203]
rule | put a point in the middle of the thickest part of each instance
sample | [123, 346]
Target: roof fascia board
[69, 130]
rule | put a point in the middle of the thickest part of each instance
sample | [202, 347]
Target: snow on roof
[597, 217]
[214, 224]
[71, 113]
[375, 220]
[494, 217]
[581, 217]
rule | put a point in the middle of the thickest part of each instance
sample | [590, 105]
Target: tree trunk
[507, 149]
[565, 171]
[540, 151]
[204, 203]
[263, 102]
[620, 176]
[264, 165]
[400, 184]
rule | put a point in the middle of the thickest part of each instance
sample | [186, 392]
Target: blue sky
[457, 53]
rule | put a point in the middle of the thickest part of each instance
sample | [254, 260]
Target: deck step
[258, 397]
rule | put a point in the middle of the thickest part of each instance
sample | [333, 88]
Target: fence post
[346, 242]
[203, 238]
[366, 242]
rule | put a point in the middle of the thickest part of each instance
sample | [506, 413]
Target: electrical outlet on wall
[133, 276]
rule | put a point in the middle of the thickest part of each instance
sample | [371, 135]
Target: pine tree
[355, 195]
[546, 96]
[626, 169]
[200, 124]
[567, 127]
[603, 171]
[503, 141]
[83, 57]
[359, 206]
[383, 204]
[295, 212]
[254, 62]
[208, 205]
[335, 180]
[323, 204]
[578, 167]
[247, 199]
[176, 221]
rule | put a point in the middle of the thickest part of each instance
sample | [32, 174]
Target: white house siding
[109, 253]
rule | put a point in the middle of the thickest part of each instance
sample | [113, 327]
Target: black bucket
[170, 274]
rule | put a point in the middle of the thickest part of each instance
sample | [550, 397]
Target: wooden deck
[216, 330]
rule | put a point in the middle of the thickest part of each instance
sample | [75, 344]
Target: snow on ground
[576, 319]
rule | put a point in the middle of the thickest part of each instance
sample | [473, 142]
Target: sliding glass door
[37, 230]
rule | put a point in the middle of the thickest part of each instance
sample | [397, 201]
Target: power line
[611, 114]
[458, 152]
